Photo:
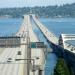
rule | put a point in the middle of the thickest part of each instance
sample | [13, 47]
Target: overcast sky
[23, 3]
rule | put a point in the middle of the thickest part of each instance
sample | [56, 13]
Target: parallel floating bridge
[51, 37]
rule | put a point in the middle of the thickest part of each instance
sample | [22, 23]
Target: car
[19, 53]
[9, 59]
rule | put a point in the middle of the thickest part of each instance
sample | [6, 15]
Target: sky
[31, 3]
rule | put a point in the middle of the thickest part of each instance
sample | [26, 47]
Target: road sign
[37, 44]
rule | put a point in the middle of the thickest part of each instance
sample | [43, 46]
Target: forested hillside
[67, 10]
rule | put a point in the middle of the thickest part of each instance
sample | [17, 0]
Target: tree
[61, 68]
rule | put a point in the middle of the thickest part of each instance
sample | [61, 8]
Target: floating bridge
[52, 37]
[17, 54]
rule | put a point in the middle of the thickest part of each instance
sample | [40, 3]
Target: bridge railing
[49, 35]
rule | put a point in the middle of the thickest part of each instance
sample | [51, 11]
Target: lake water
[9, 26]
[57, 25]
[61, 25]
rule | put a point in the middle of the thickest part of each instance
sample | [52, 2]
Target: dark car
[19, 52]
[9, 59]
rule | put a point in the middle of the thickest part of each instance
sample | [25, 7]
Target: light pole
[27, 63]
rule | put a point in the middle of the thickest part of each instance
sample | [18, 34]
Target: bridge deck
[49, 35]
[8, 65]
[36, 52]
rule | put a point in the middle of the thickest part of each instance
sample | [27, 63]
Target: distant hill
[67, 10]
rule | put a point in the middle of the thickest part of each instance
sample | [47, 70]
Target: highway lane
[8, 66]
[14, 67]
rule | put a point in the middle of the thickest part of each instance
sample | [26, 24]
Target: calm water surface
[9, 26]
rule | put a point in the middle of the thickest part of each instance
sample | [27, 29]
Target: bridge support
[66, 37]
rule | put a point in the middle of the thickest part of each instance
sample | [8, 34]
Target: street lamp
[27, 63]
